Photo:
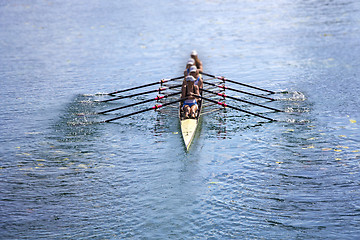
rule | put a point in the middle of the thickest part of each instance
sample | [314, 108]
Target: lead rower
[189, 91]
[198, 63]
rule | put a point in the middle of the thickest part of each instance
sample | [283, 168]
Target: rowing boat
[188, 126]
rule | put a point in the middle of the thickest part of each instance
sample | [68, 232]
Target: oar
[236, 90]
[232, 81]
[241, 100]
[157, 106]
[138, 103]
[236, 108]
[142, 93]
[146, 85]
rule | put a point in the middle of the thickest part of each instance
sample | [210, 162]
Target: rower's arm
[196, 92]
[183, 93]
[200, 66]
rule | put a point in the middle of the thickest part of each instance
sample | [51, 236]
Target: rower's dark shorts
[189, 104]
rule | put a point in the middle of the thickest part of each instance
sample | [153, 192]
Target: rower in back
[198, 63]
[190, 91]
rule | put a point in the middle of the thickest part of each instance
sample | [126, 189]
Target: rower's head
[190, 79]
[194, 54]
[190, 63]
[193, 71]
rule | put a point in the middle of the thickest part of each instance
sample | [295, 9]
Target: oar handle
[235, 82]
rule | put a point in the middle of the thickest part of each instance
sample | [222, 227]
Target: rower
[198, 79]
[198, 63]
[190, 106]
[189, 63]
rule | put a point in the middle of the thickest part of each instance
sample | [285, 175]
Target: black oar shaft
[146, 85]
[241, 100]
[138, 103]
[142, 93]
[130, 114]
[236, 90]
[133, 88]
[236, 108]
[235, 82]
[144, 110]
[133, 95]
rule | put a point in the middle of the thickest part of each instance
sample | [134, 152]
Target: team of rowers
[191, 86]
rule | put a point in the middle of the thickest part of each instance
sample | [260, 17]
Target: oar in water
[240, 100]
[157, 106]
[232, 81]
[236, 108]
[142, 93]
[236, 90]
[138, 103]
[146, 85]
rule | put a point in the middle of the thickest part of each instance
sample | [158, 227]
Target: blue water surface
[65, 176]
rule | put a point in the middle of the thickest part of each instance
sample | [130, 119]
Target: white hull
[189, 126]
[188, 129]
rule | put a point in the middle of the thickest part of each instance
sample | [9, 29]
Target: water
[62, 177]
